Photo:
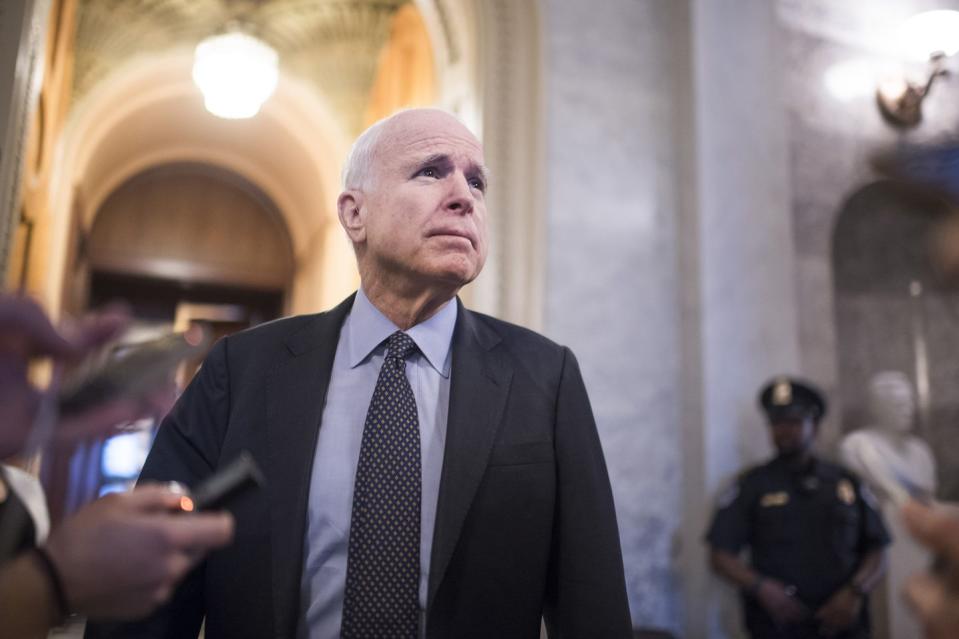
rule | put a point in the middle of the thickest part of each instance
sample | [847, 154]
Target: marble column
[22, 23]
[612, 264]
[739, 256]
[671, 269]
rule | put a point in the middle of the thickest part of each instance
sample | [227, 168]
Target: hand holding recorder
[118, 558]
[32, 416]
[26, 334]
[122, 555]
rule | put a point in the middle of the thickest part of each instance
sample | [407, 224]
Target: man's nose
[460, 198]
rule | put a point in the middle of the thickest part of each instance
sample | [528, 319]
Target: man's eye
[478, 184]
[429, 172]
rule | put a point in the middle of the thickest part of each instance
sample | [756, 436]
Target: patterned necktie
[383, 561]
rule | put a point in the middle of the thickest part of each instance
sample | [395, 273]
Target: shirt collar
[368, 328]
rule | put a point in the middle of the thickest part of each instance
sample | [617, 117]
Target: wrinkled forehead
[424, 134]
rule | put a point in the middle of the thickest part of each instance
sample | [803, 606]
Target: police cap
[789, 398]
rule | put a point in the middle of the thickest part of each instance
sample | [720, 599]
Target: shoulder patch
[868, 496]
[846, 492]
[728, 496]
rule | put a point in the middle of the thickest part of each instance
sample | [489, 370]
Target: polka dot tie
[383, 561]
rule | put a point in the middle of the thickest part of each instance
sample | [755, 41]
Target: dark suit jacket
[525, 525]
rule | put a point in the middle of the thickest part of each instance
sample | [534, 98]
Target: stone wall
[611, 269]
[831, 141]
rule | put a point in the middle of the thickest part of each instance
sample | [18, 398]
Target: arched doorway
[180, 244]
[189, 227]
[896, 311]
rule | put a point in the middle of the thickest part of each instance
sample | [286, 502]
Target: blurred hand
[102, 419]
[121, 556]
[840, 612]
[935, 596]
[781, 606]
[25, 334]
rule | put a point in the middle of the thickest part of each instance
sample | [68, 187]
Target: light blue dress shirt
[359, 355]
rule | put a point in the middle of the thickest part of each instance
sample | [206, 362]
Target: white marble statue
[888, 455]
[889, 444]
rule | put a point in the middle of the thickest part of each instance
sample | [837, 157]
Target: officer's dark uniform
[808, 528]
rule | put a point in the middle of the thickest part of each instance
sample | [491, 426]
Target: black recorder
[240, 476]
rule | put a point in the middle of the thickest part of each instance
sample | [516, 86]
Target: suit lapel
[296, 394]
[479, 385]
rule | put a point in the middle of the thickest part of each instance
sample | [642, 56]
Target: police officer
[814, 532]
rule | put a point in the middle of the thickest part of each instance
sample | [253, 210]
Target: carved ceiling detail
[333, 45]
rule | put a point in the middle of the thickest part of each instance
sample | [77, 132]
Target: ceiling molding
[332, 45]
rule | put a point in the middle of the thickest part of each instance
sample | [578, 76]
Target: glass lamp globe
[236, 72]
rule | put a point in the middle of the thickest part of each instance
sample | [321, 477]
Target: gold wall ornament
[930, 37]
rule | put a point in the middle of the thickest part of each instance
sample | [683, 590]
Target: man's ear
[348, 207]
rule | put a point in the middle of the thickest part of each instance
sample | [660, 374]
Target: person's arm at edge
[870, 571]
[586, 588]
[76, 570]
[771, 593]
[733, 569]
[843, 606]
[27, 600]
[186, 449]
[934, 593]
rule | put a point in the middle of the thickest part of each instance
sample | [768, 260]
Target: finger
[154, 498]
[201, 531]
[925, 595]
[179, 564]
[27, 330]
[99, 420]
[933, 527]
[99, 328]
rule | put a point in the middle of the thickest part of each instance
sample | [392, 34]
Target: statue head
[892, 402]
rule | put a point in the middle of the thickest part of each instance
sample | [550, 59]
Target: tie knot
[400, 346]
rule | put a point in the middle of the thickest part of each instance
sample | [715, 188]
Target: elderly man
[432, 472]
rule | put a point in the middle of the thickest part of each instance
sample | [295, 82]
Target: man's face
[424, 207]
[793, 436]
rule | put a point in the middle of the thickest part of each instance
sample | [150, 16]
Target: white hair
[359, 163]
[358, 168]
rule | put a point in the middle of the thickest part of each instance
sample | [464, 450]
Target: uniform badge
[846, 492]
[782, 393]
[769, 500]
